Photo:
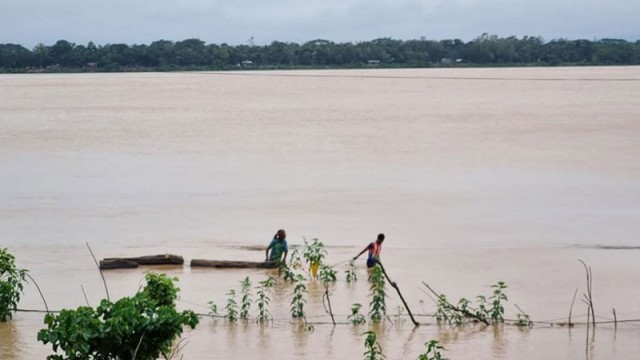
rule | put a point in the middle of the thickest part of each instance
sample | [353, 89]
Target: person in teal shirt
[278, 247]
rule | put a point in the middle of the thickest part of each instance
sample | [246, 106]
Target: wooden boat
[229, 264]
[134, 262]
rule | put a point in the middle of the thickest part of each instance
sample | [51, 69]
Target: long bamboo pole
[395, 286]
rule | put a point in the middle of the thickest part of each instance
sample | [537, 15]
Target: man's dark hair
[381, 237]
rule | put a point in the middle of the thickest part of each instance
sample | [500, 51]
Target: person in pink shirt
[374, 249]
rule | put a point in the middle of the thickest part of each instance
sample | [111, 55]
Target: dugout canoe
[134, 262]
[230, 264]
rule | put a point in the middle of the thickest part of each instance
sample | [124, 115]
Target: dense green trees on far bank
[163, 55]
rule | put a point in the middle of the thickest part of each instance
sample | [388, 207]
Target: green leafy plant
[485, 311]
[294, 260]
[327, 274]
[356, 318]
[433, 351]
[455, 315]
[314, 254]
[245, 300]
[160, 287]
[524, 320]
[213, 309]
[263, 300]
[140, 327]
[482, 312]
[443, 310]
[373, 350]
[351, 272]
[497, 307]
[377, 305]
[232, 306]
[286, 272]
[464, 309]
[12, 282]
[298, 301]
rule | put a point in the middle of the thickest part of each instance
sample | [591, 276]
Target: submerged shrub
[373, 350]
[12, 282]
[351, 275]
[245, 302]
[298, 300]
[356, 317]
[264, 315]
[377, 305]
[487, 311]
[143, 326]
[497, 307]
[433, 351]
[327, 274]
[232, 306]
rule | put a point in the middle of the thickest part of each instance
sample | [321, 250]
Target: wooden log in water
[133, 262]
[230, 264]
[117, 264]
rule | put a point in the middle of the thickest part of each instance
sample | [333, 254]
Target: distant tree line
[163, 55]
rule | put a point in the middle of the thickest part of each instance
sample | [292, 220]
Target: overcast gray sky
[28, 22]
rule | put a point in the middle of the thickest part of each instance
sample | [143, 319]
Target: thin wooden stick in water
[587, 343]
[589, 294]
[326, 294]
[38, 287]
[395, 286]
[572, 302]
[85, 295]
[100, 270]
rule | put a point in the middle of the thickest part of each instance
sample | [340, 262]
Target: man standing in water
[374, 249]
[278, 247]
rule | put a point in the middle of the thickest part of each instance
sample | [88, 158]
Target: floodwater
[475, 175]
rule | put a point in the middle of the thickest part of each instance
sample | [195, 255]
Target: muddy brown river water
[475, 175]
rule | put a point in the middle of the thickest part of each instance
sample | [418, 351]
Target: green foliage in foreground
[377, 305]
[433, 351]
[232, 306]
[298, 301]
[327, 274]
[142, 327]
[246, 301]
[373, 350]
[350, 273]
[356, 318]
[12, 282]
[264, 315]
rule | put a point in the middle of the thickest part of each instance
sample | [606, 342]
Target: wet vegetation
[378, 303]
[147, 325]
[487, 310]
[143, 326]
[433, 351]
[373, 350]
[12, 280]
[195, 54]
[262, 301]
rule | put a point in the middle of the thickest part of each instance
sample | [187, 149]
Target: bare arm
[361, 252]
[266, 252]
